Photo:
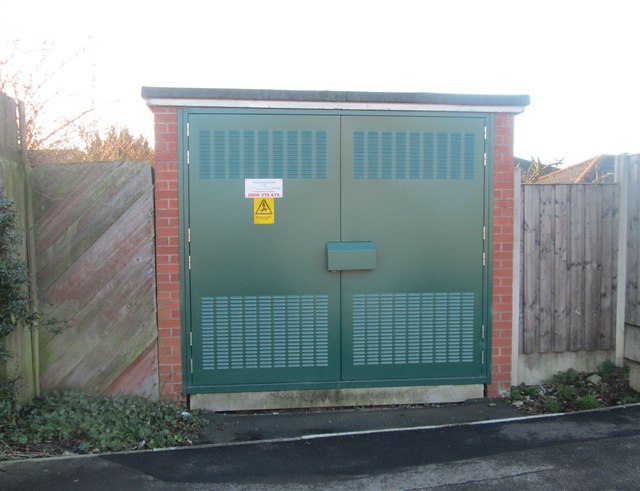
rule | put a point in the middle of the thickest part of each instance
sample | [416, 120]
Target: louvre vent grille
[413, 155]
[265, 332]
[407, 328]
[257, 154]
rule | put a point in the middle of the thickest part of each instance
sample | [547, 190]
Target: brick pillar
[168, 252]
[501, 307]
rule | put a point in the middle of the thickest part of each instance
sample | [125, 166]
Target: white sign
[263, 188]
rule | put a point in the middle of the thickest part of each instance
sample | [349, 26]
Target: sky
[578, 61]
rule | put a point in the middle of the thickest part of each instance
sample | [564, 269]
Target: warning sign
[263, 211]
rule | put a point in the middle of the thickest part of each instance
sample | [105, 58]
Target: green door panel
[414, 186]
[264, 308]
[372, 272]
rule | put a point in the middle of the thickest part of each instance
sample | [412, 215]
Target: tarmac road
[589, 450]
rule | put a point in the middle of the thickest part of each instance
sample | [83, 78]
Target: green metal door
[264, 310]
[414, 187]
[372, 271]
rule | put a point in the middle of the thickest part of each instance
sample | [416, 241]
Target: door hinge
[188, 157]
[481, 361]
[484, 233]
[484, 260]
[485, 131]
[189, 234]
[484, 159]
[190, 338]
[189, 263]
[482, 331]
[192, 362]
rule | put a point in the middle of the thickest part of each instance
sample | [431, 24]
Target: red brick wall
[168, 252]
[501, 307]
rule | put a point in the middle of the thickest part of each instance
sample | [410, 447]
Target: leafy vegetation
[570, 390]
[73, 421]
[15, 303]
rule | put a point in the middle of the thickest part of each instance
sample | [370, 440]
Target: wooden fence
[573, 266]
[15, 183]
[569, 262]
[95, 270]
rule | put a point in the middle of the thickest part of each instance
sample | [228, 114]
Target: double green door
[366, 269]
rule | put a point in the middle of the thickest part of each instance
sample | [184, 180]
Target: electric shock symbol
[263, 208]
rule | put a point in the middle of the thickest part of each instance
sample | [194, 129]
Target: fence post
[30, 244]
[623, 216]
[15, 184]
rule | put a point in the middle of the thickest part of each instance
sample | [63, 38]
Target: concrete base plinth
[634, 376]
[243, 401]
[535, 368]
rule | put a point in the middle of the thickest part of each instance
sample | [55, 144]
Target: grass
[570, 391]
[75, 422]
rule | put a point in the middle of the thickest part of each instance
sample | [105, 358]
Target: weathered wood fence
[15, 184]
[569, 271]
[569, 260]
[95, 268]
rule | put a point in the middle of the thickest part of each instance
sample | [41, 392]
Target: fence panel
[569, 257]
[94, 238]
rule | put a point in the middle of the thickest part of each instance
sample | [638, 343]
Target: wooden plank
[576, 269]
[546, 286]
[593, 255]
[562, 227]
[531, 268]
[141, 377]
[608, 234]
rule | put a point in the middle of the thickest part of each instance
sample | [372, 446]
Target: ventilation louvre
[413, 155]
[265, 332]
[411, 328]
[262, 154]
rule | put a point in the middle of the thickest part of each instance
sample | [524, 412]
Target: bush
[77, 422]
[577, 391]
[553, 405]
[15, 305]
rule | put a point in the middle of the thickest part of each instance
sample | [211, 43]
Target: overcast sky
[578, 61]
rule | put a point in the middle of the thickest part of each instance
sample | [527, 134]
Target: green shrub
[567, 392]
[588, 402]
[75, 421]
[568, 377]
[15, 305]
[553, 405]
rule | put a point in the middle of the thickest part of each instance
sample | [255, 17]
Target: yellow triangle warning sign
[263, 208]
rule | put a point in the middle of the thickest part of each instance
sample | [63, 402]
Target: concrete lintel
[244, 401]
